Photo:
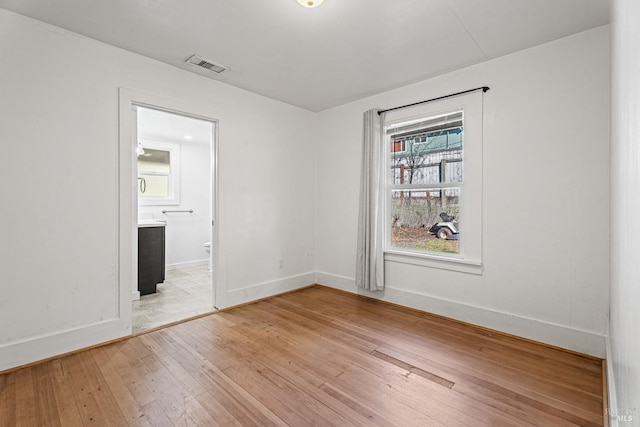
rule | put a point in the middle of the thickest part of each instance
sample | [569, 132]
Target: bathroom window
[158, 174]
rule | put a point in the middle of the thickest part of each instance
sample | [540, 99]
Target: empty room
[329, 212]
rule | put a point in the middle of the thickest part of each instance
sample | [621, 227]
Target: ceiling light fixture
[310, 3]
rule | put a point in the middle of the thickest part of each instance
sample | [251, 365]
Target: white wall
[186, 233]
[624, 350]
[59, 287]
[546, 278]
[545, 196]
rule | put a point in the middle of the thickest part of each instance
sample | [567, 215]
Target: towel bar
[164, 211]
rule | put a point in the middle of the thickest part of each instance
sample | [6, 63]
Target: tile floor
[185, 293]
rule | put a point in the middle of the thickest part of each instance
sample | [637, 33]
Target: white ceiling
[155, 124]
[319, 58]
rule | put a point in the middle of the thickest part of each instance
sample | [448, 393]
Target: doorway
[174, 171]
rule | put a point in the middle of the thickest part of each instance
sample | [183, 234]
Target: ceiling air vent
[201, 62]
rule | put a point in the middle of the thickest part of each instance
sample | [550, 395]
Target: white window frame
[469, 258]
[174, 173]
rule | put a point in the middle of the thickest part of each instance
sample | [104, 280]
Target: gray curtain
[369, 257]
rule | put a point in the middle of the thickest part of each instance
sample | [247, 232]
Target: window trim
[469, 258]
[434, 261]
[174, 173]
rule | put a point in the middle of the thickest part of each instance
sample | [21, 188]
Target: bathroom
[174, 186]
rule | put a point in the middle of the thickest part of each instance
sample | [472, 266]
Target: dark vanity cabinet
[150, 258]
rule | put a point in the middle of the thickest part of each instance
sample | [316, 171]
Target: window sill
[163, 202]
[434, 261]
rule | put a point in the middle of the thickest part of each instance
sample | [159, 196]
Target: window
[158, 174]
[434, 182]
[398, 146]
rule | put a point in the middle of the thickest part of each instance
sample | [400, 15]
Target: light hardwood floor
[312, 357]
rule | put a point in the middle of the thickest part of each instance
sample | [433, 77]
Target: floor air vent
[201, 62]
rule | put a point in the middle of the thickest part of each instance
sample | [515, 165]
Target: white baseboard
[135, 295]
[42, 347]
[34, 349]
[188, 264]
[611, 387]
[37, 348]
[549, 333]
[267, 289]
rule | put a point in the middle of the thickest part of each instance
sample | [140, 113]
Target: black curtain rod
[484, 89]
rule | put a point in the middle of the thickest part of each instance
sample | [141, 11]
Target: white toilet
[207, 248]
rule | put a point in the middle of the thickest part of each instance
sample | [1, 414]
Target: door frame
[128, 196]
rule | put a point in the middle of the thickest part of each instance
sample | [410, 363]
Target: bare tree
[409, 163]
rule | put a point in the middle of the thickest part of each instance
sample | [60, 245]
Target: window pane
[153, 185]
[417, 223]
[154, 168]
[155, 161]
[427, 154]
